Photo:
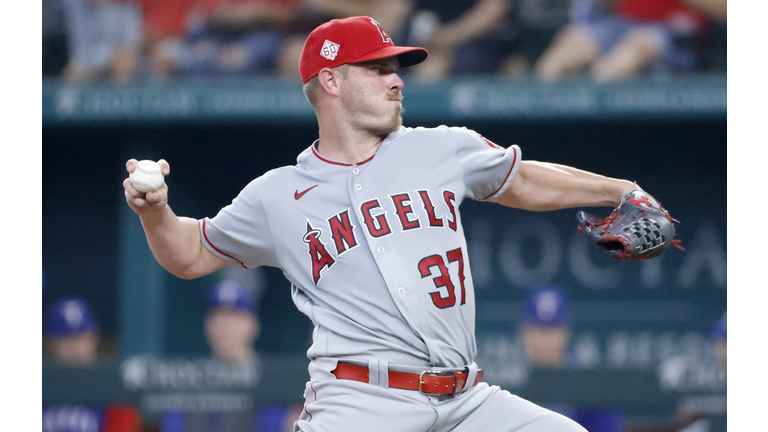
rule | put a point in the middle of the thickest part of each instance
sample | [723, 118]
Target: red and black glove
[639, 228]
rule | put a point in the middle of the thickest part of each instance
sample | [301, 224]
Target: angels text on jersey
[339, 234]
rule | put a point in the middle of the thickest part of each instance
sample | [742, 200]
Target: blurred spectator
[103, 37]
[721, 339]
[231, 327]
[76, 418]
[691, 418]
[536, 22]
[391, 14]
[462, 36]
[545, 327]
[214, 37]
[636, 36]
[696, 417]
[238, 37]
[72, 338]
[72, 335]
[232, 324]
[54, 39]
[716, 9]
[164, 24]
[545, 331]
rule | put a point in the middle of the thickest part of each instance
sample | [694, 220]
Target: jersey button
[358, 187]
[356, 170]
[401, 290]
[381, 249]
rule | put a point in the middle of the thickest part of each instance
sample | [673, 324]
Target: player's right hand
[141, 202]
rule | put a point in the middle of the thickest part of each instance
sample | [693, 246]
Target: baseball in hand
[147, 177]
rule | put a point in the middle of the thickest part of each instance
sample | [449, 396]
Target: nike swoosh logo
[298, 194]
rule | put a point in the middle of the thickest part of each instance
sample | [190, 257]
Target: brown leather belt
[427, 382]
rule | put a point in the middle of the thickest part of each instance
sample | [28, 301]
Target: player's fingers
[130, 165]
[165, 167]
[127, 185]
[135, 203]
[131, 191]
[158, 195]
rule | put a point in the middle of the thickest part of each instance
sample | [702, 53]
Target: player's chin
[391, 127]
[397, 120]
[397, 123]
[386, 127]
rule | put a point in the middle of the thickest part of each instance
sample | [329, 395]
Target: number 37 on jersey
[435, 266]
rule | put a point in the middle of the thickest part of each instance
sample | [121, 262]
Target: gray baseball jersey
[375, 251]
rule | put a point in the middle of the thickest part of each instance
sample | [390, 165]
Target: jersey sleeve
[488, 168]
[241, 231]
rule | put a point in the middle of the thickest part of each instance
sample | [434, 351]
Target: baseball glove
[639, 228]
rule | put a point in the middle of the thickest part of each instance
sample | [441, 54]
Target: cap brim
[407, 56]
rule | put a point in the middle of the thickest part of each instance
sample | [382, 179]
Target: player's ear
[329, 80]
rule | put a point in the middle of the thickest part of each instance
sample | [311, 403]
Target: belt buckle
[435, 374]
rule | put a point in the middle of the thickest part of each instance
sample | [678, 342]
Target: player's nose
[396, 83]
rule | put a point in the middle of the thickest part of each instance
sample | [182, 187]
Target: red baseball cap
[351, 40]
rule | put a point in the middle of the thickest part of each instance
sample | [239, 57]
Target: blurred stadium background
[643, 334]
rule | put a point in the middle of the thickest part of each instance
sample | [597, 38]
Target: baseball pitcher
[366, 226]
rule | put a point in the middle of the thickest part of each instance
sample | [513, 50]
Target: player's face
[721, 351]
[371, 96]
[545, 346]
[75, 350]
[231, 333]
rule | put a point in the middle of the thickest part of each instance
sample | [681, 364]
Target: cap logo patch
[329, 50]
[72, 314]
[384, 36]
[547, 305]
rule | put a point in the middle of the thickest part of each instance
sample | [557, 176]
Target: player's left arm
[542, 186]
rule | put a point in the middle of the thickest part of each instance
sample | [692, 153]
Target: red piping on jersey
[205, 234]
[338, 163]
[312, 386]
[505, 178]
